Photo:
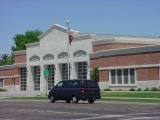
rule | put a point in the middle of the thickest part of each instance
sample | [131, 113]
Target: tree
[20, 40]
[95, 74]
[6, 59]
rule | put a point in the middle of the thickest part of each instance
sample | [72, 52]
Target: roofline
[127, 36]
[5, 67]
[20, 52]
[125, 51]
[56, 26]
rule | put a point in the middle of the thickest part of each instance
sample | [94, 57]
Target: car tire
[74, 99]
[68, 101]
[90, 101]
[52, 99]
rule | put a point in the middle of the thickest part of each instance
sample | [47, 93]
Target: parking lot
[43, 110]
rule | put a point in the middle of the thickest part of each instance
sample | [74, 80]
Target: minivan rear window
[92, 84]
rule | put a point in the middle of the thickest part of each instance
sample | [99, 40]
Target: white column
[88, 70]
[43, 80]
[30, 82]
[57, 74]
[73, 71]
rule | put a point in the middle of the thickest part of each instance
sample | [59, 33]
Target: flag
[70, 36]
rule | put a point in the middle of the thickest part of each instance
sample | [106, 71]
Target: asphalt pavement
[43, 110]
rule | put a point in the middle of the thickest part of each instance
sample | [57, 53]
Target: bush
[139, 89]
[131, 89]
[107, 89]
[146, 89]
[95, 74]
[2, 90]
[154, 89]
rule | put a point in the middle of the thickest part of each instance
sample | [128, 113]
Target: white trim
[126, 48]
[130, 66]
[14, 76]
[115, 39]
[125, 51]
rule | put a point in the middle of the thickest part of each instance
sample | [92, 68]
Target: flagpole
[67, 21]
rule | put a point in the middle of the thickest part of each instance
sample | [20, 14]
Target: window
[23, 79]
[125, 74]
[132, 76]
[48, 57]
[34, 58]
[63, 55]
[76, 84]
[50, 76]
[91, 84]
[122, 76]
[1, 82]
[82, 70]
[119, 76]
[79, 53]
[65, 71]
[60, 84]
[36, 77]
[113, 76]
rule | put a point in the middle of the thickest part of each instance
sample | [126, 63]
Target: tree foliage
[95, 74]
[20, 40]
[6, 59]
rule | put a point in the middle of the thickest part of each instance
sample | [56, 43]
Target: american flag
[70, 34]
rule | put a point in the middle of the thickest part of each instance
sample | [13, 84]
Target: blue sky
[117, 17]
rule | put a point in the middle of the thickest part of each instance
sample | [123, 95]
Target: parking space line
[56, 112]
[141, 118]
[112, 116]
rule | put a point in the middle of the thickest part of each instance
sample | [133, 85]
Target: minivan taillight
[82, 90]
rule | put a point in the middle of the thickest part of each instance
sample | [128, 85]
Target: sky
[117, 17]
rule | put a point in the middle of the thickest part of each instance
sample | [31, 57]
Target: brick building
[124, 62]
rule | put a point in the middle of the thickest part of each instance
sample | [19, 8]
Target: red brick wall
[115, 46]
[20, 58]
[148, 73]
[126, 60]
[103, 75]
[10, 81]
[9, 72]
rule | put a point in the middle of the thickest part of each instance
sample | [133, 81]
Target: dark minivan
[75, 90]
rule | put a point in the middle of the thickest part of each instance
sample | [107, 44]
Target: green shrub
[94, 74]
[154, 89]
[146, 89]
[2, 90]
[131, 89]
[139, 89]
[107, 89]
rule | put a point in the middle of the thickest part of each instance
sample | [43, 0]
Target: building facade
[124, 62]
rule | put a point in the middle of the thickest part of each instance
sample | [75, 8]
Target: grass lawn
[131, 100]
[126, 96]
[132, 94]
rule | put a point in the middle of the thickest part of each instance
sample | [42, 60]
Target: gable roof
[58, 27]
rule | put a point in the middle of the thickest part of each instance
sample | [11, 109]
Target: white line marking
[111, 116]
[142, 118]
[56, 112]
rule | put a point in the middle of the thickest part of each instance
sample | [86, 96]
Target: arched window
[63, 55]
[34, 58]
[48, 57]
[79, 53]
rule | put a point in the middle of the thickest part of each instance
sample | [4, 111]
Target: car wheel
[74, 99]
[68, 101]
[91, 101]
[52, 99]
